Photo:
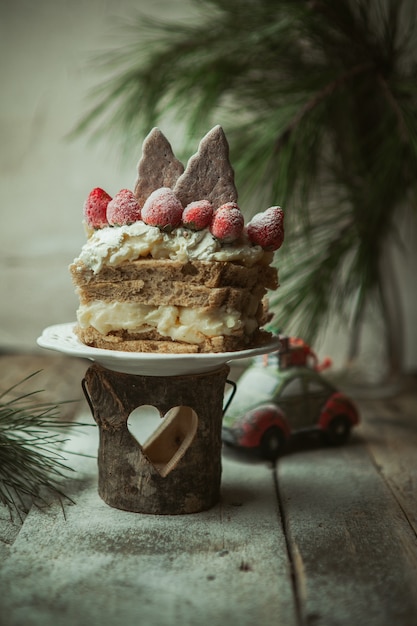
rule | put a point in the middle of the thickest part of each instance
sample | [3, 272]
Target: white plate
[61, 337]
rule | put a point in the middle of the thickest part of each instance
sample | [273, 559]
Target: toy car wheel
[272, 443]
[338, 430]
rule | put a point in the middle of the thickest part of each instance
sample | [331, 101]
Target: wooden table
[325, 537]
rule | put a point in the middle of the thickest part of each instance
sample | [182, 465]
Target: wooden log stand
[178, 470]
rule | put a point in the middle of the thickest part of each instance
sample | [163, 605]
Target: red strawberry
[197, 215]
[267, 229]
[227, 223]
[123, 209]
[95, 208]
[163, 209]
[229, 205]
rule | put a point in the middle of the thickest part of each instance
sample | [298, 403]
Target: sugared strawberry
[227, 223]
[163, 209]
[123, 209]
[267, 229]
[197, 215]
[95, 208]
[228, 205]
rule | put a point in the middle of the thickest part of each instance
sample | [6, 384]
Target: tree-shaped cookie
[158, 166]
[208, 174]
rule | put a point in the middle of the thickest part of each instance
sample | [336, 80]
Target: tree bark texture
[178, 470]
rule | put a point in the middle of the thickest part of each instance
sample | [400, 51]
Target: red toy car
[280, 395]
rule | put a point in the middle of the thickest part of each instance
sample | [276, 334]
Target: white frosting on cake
[178, 323]
[113, 245]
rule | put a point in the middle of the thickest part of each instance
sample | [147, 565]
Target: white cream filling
[178, 323]
[113, 245]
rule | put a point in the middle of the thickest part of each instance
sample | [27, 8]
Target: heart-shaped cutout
[166, 438]
[143, 421]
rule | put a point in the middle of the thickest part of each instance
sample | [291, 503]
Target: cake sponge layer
[172, 283]
[218, 305]
[136, 342]
[213, 274]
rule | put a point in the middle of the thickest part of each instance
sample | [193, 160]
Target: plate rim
[98, 355]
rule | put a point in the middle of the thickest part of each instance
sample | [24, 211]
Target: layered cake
[171, 267]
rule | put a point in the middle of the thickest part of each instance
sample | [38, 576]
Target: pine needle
[319, 102]
[32, 466]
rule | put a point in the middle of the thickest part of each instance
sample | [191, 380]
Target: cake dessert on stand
[172, 287]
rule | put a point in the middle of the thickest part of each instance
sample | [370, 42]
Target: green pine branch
[32, 465]
[319, 102]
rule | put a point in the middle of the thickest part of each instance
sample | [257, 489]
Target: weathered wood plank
[59, 378]
[100, 565]
[390, 433]
[353, 552]
[349, 515]
[9, 529]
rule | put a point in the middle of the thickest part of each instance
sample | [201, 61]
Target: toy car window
[256, 385]
[292, 388]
